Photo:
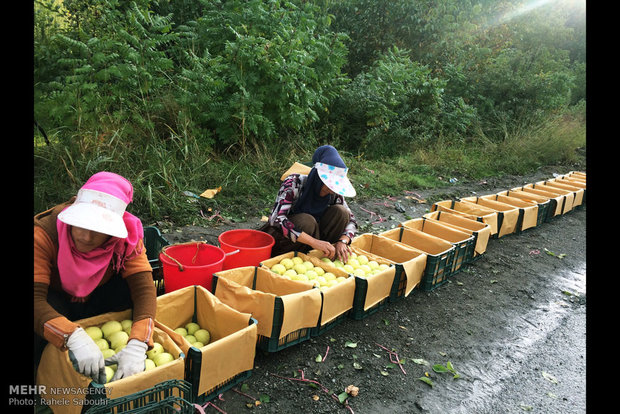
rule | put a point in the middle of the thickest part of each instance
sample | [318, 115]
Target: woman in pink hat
[89, 259]
[310, 211]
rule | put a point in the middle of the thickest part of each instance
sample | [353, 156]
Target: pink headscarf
[81, 273]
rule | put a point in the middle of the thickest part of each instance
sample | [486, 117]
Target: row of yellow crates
[254, 308]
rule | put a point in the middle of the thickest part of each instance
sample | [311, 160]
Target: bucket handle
[163, 251]
[233, 252]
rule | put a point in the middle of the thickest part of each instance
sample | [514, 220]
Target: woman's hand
[327, 248]
[342, 251]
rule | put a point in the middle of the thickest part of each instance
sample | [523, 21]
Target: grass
[162, 171]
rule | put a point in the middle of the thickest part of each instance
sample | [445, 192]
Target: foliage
[187, 95]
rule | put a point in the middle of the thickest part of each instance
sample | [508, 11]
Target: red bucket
[189, 264]
[244, 247]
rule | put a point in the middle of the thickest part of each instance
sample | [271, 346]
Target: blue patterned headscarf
[310, 201]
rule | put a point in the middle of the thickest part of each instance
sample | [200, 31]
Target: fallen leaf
[352, 390]
[318, 358]
[426, 380]
[210, 193]
[549, 377]
[384, 373]
[357, 365]
[315, 397]
[420, 361]
[350, 344]
[264, 218]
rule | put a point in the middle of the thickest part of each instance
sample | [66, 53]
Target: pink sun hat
[100, 205]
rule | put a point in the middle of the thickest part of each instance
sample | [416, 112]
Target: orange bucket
[245, 247]
[188, 264]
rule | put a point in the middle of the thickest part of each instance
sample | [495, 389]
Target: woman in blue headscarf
[310, 211]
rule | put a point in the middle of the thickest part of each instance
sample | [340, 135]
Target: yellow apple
[300, 268]
[163, 358]
[126, 325]
[373, 264]
[202, 335]
[110, 327]
[326, 259]
[278, 268]
[341, 279]
[109, 373]
[329, 276]
[362, 259]
[107, 353]
[319, 271]
[153, 352]
[192, 327]
[338, 263]
[365, 268]
[190, 338]
[290, 273]
[94, 332]
[311, 274]
[297, 260]
[149, 364]
[359, 272]
[286, 262]
[118, 339]
[181, 331]
[102, 344]
[198, 344]
[308, 265]
[348, 268]
[353, 262]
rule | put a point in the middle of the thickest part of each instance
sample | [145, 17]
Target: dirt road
[512, 324]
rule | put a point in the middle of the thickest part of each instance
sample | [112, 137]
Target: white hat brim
[335, 179]
[92, 217]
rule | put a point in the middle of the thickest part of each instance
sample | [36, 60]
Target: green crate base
[438, 270]
[361, 287]
[318, 330]
[273, 344]
[463, 253]
[173, 396]
[400, 284]
[359, 313]
[154, 242]
[223, 387]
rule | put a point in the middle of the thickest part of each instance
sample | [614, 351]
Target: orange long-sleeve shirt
[55, 327]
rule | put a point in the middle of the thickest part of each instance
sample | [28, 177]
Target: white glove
[86, 355]
[130, 359]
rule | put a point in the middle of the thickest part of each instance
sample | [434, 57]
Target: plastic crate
[321, 329]
[172, 396]
[472, 211]
[336, 301]
[479, 230]
[193, 367]
[154, 242]
[229, 329]
[439, 254]
[276, 339]
[273, 343]
[408, 262]
[464, 243]
[577, 191]
[361, 290]
[507, 216]
[568, 197]
[554, 208]
[541, 203]
[528, 210]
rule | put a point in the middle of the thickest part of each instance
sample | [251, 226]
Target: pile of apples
[358, 265]
[113, 336]
[295, 268]
[194, 334]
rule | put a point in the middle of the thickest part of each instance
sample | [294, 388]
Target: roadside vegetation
[183, 96]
